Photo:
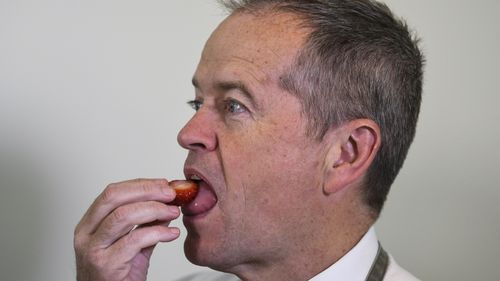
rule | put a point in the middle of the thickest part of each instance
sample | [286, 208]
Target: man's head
[283, 137]
[358, 61]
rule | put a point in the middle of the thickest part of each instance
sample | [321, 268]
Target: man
[305, 111]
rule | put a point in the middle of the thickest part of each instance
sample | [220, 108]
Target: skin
[267, 172]
[106, 247]
[259, 161]
[283, 196]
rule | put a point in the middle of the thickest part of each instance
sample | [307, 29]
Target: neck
[317, 250]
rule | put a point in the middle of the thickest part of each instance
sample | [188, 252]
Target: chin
[206, 253]
[196, 251]
[192, 251]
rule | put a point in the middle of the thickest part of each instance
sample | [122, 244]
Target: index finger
[122, 193]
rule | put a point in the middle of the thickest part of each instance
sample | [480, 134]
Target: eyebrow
[225, 86]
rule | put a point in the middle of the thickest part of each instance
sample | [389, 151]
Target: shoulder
[209, 276]
[396, 273]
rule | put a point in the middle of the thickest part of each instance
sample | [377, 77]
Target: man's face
[248, 141]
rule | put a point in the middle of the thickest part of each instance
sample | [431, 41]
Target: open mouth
[204, 201]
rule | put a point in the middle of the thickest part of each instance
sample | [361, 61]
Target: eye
[195, 104]
[234, 107]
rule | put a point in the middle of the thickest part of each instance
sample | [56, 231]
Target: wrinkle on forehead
[267, 41]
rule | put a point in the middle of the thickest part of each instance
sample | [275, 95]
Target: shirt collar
[355, 265]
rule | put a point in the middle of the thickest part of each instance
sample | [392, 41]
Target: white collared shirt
[356, 264]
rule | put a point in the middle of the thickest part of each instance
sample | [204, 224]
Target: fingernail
[175, 231]
[175, 211]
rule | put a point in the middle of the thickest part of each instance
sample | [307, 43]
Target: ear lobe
[356, 145]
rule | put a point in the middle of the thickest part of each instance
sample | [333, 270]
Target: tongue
[203, 202]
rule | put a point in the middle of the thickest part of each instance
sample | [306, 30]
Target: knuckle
[119, 215]
[147, 187]
[109, 193]
[79, 240]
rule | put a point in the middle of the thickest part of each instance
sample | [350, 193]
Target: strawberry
[185, 191]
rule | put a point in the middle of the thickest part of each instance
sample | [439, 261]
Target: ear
[353, 146]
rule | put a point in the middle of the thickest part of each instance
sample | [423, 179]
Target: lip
[190, 171]
[205, 186]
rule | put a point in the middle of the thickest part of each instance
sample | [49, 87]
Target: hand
[115, 238]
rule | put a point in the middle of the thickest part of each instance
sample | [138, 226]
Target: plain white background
[93, 92]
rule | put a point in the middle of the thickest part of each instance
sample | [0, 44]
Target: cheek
[268, 177]
[268, 161]
[269, 173]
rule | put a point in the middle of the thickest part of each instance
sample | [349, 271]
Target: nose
[199, 133]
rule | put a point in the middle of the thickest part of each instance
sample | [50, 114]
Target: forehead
[262, 44]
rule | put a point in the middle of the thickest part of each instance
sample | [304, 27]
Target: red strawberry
[185, 191]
